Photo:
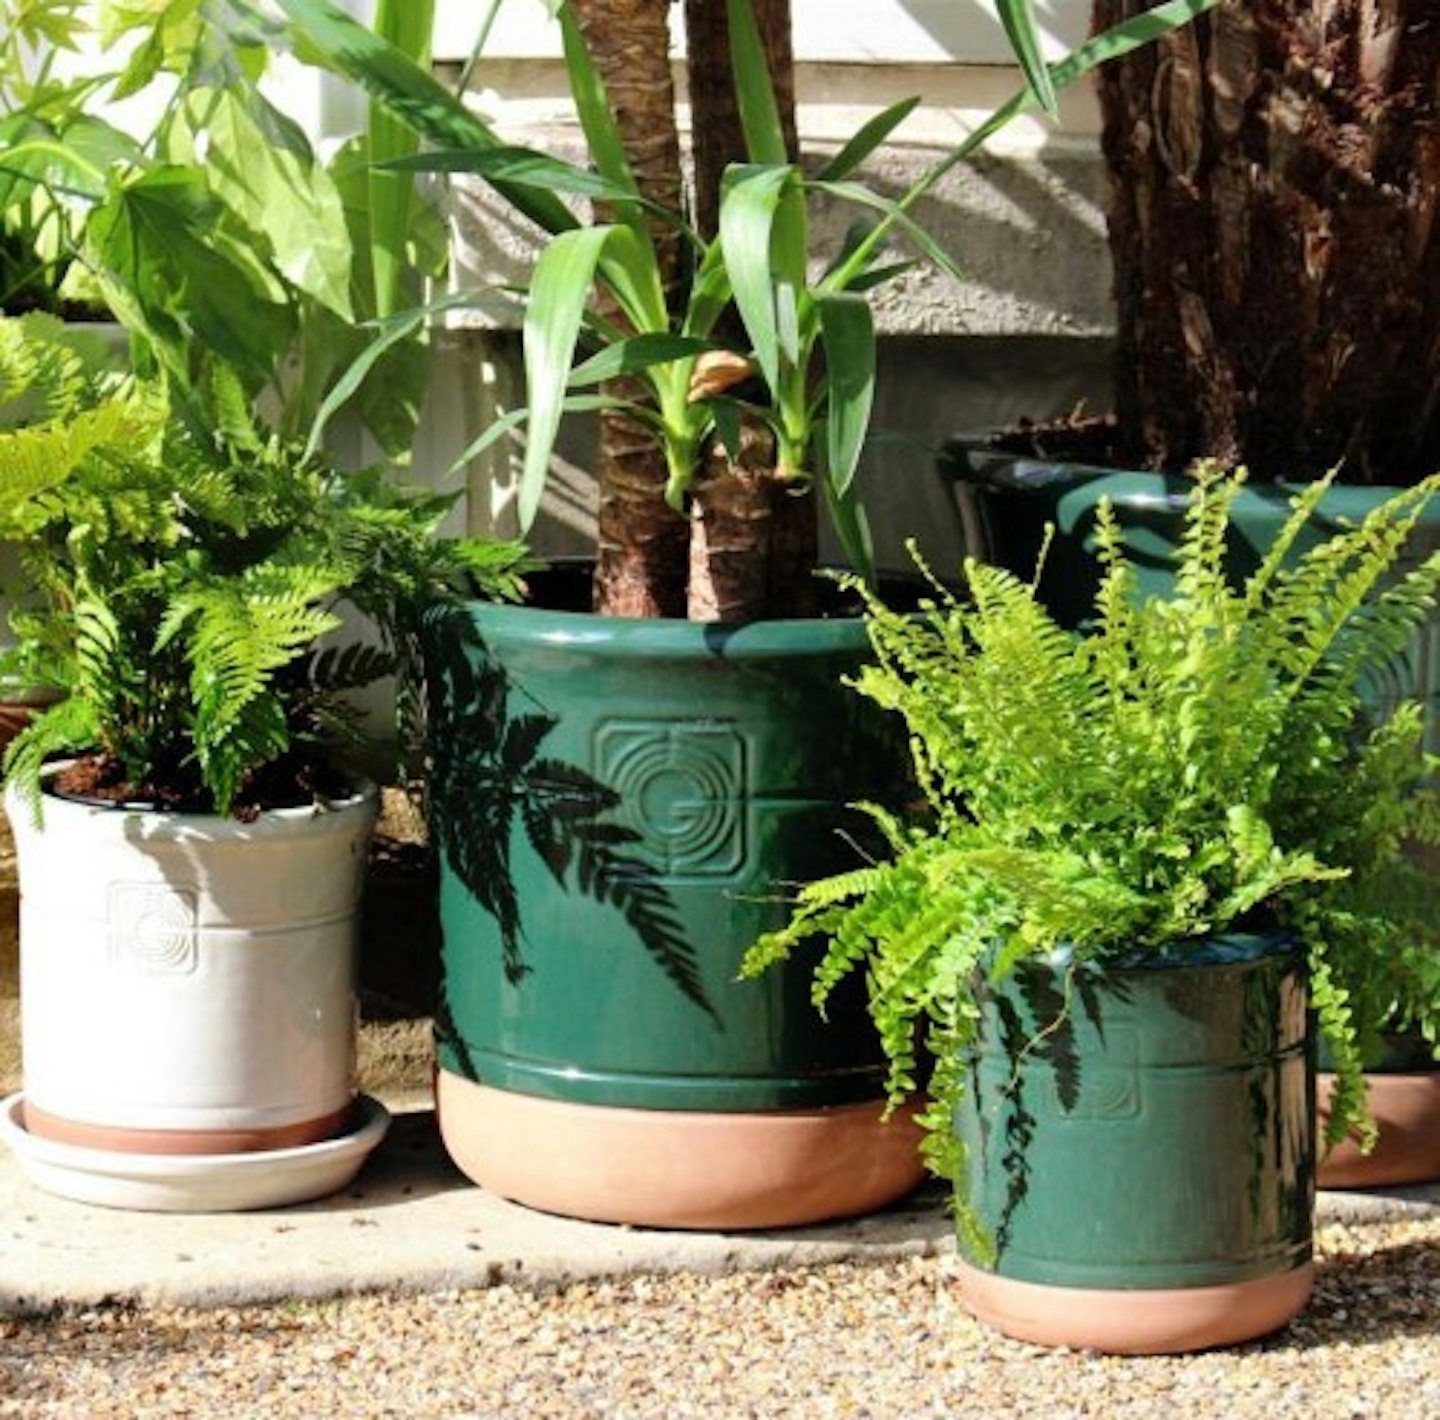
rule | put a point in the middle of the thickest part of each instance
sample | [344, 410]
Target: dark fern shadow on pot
[487, 773]
[1042, 1034]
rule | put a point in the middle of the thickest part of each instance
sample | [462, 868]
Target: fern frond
[238, 640]
[65, 728]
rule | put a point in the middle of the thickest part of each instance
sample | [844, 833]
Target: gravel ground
[846, 1340]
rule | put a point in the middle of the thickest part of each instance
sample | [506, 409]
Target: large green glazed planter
[1006, 502]
[1143, 1157]
[621, 808]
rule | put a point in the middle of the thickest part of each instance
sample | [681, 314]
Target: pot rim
[147, 822]
[1230, 948]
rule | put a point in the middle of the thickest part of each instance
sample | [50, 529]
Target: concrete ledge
[413, 1223]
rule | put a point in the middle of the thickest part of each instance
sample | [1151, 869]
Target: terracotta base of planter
[44, 1125]
[678, 1169]
[1407, 1110]
[1145, 1322]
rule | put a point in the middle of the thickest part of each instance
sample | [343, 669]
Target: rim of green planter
[1009, 498]
[971, 457]
[717, 769]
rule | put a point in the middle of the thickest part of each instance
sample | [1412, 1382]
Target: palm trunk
[1275, 175]
[754, 542]
[642, 543]
[717, 138]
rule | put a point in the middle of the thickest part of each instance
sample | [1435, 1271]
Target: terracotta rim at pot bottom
[44, 1125]
[675, 1168]
[1144, 1322]
[1407, 1110]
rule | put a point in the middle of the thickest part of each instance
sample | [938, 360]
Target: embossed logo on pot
[152, 928]
[682, 788]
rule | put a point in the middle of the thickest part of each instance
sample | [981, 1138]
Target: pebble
[865, 1342]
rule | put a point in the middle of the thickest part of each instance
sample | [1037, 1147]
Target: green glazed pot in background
[1143, 1157]
[1005, 502]
[1403, 1094]
[620, 808]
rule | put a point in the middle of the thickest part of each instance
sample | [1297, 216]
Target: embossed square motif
[152, 929]
[682, 786]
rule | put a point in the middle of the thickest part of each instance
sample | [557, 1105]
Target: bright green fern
[179, 579]
[1193, 765]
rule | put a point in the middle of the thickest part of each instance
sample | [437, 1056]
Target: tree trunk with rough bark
[1275, 175]
[643, 543]
[717, 137]
[755, 537]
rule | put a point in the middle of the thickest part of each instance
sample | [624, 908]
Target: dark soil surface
[1083, 439]
[286, 783]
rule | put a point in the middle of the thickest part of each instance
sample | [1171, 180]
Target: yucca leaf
[559, 292]
[893, 212]
[406, 24]
[1119, 40]
[629, 357]
[513, 419]
[710, 292]
[602, 136]
[866, 139]
[517, 166]
[748, 205]
[852, 527]
[847, 330]
[765, 140]
[1018, 21]
[754, 88]
[392, 332]
[412, 94]
[879, 275]
[1132, 33]
[631, 270]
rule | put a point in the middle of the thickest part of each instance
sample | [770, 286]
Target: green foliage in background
[178, 580]
[218, 236]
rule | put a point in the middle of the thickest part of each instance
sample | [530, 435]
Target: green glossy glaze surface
[1160, 1135]
[620, 806]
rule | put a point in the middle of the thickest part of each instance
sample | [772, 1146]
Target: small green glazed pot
[621, 808]
[1140, 1144]
[1006, 502]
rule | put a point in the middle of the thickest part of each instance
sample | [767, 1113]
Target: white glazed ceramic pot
[188, 981]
